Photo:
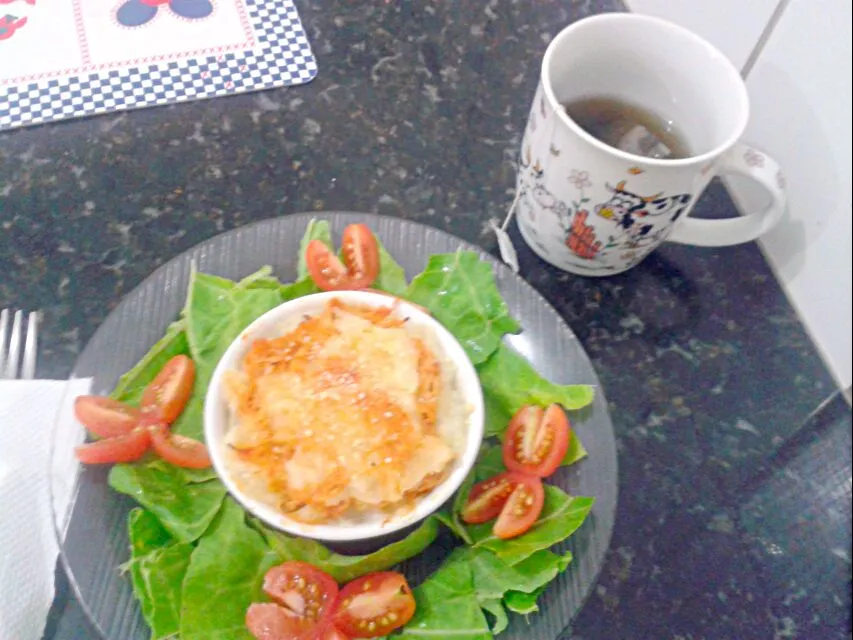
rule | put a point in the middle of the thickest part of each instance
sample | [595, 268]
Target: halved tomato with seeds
[522, 508]
[374, 605]
[325, 269]
[488, 497]
[127, 448]
[537, 440]
[166, 396]
[271, 621]
[179, 450]
[361, 255]
[105, 417]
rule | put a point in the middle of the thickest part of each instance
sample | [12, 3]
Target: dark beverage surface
[628, 127]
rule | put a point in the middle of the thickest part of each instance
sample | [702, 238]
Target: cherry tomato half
[127, 448]
[536, 441]
[304, 590]
[361, 255]
[179, 450]
[488, 497]
[271, 621]
[374, 605]
[166, 396]
[325, 269]
[105, 417]
[522, 508]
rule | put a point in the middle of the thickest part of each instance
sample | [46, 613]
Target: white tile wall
[734, 26]
[800, 88]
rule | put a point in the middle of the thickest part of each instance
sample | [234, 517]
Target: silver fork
[10, 345]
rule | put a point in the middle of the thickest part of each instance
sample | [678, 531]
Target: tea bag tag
[505, 247]
[641, 142]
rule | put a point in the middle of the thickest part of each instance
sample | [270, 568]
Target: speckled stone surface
[734, 516]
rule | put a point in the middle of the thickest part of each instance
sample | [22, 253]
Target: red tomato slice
[332, 633]
[361, 255]
[180, 451]
[488, 497]
[126, 448]
[521, 509]
[167, 395]
[536, 441]
[325, 269]
[105, 417]
[270, 621]
[374, 605]
[304, 591]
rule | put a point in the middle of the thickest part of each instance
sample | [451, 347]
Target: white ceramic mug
[594, 210]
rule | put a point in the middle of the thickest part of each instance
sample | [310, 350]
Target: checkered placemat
[272, 51]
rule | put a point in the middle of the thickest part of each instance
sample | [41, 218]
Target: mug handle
[757, 165]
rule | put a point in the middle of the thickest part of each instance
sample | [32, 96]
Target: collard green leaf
[392, 277]
[489, 462]
[500, 620]
[460, 291]
[456, 525]
[224, 577]
[523, 603]
[542, 567]
[298, 289]
[157, 568]
[512, 382]
[447, 606]
[497, 417]
[345, 568]
[560, 518]
[184, 508]
[216, 314]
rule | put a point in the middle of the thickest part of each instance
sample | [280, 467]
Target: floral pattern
[580, 179]
[753, 158]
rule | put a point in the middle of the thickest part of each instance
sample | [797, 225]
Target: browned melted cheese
[340, 414]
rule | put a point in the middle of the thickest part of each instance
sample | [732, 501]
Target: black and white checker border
[281, 57]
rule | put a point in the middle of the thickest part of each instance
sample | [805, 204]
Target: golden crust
[340, 414]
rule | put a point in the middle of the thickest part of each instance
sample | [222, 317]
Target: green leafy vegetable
[523, 603]
[460, 291]
[391, 276]
[489, 463]
[560, 518]
[512, 383]
[184, 508]
[216, 315]
[157, 567]
[224, 577]
[131, 385]
[448, 607]
[345, 568]
[496, 609]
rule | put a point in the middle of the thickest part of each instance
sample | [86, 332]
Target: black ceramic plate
[92, 527]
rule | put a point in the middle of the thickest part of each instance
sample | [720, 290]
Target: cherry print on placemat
[9, 24]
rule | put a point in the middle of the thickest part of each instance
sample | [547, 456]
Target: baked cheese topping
[339, 416]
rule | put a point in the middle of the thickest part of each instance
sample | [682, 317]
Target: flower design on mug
[753, 158]
[781, 182]
[581, 239]
[580, 179]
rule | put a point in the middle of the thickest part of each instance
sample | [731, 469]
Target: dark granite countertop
[734, 516]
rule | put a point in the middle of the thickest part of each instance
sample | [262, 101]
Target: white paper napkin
[28, 549]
